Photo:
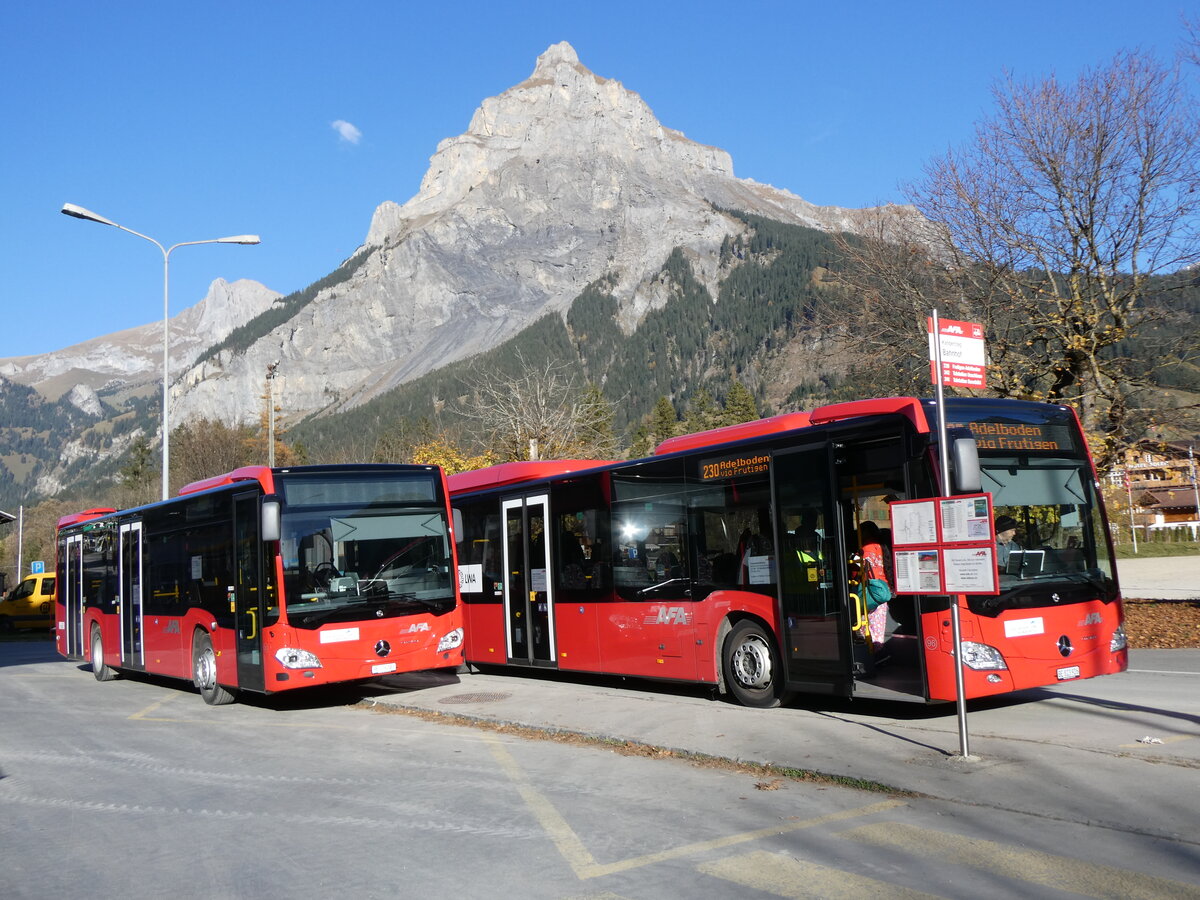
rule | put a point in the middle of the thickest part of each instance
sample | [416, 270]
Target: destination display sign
[738, 466]
[1020, 437]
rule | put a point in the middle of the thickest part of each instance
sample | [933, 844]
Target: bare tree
[1049, 226]
[541, 412]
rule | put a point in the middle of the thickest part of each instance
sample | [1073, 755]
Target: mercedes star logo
[383, 648]
[1064, 645]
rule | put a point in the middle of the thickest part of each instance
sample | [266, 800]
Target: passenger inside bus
[873, 565]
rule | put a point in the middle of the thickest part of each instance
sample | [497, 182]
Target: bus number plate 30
[1068, 672]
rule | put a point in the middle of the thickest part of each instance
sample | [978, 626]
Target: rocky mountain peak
[556, 55]
[562, 118]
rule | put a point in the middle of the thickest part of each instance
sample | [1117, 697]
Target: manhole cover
[479, 697]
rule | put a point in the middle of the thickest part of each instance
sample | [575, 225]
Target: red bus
[266, 580]
[729, 557]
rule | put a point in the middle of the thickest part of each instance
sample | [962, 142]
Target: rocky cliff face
[560, 180]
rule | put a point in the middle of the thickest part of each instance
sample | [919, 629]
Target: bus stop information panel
[944, 545]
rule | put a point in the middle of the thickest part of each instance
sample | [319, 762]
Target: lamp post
[78, 212]
[271, 370]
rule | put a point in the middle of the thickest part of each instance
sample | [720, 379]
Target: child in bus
[875, 564]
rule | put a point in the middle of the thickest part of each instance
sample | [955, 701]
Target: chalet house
[1162, 482]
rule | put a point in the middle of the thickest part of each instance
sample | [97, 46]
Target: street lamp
[78, 212]
[271, 370]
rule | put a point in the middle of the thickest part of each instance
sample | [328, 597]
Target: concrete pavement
[1073, 752]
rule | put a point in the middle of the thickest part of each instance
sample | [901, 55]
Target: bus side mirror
[964, 463]
[458, 526]
[271, 529]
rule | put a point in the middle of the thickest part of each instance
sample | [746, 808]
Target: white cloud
[346, 131]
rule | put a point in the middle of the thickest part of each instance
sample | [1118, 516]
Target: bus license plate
[1068, 672]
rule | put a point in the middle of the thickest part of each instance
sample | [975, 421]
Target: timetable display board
[944, 545]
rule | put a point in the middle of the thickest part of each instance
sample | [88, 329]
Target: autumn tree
[1060, 226]
[202, 448]
[442, 450]
[268, 443]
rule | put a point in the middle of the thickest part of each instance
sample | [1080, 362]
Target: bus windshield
[1049, 509]
[364, 547]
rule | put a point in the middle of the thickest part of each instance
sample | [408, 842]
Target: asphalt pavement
[1121, 751]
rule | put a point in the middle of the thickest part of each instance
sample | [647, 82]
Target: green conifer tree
[739, 405]
[664, 421]
[596, 434]
[702, 413]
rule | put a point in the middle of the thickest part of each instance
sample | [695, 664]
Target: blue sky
[191, 121]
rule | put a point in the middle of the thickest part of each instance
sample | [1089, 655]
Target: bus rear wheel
[751, 664]
[204, 672]
[102, 671]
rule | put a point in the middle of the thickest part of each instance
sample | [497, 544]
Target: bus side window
[582, 560]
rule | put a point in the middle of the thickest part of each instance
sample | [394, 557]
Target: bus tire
[204, 672]
[100, 669]
[751, 666]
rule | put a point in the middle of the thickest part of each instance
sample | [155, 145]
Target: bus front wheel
[204, 672]
[102, 671]
[751, 664]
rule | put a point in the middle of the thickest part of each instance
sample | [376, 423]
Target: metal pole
[166, 404]
[271, 413]
[20, 542]
[964, 745]
[271, 426]
[1195, 491]
[1129, 496]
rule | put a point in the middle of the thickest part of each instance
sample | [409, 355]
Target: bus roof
[261, 474]
[727, 433]
[822, 415]
[910, 407]
[513, 472]
[86, 515]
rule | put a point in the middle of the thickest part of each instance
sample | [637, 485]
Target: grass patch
[1154, 549]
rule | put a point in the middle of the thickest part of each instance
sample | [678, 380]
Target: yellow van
[30, 604]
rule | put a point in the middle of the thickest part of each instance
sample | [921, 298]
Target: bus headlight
[293, 658]
[1119, 641]
[982, 656]
[451, 641]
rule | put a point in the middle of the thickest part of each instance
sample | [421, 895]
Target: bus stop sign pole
[964, 745]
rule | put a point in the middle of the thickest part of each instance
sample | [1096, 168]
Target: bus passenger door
[528, 602]
[129, 555]
[71, 591]
[247, 591]
[812, 587]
